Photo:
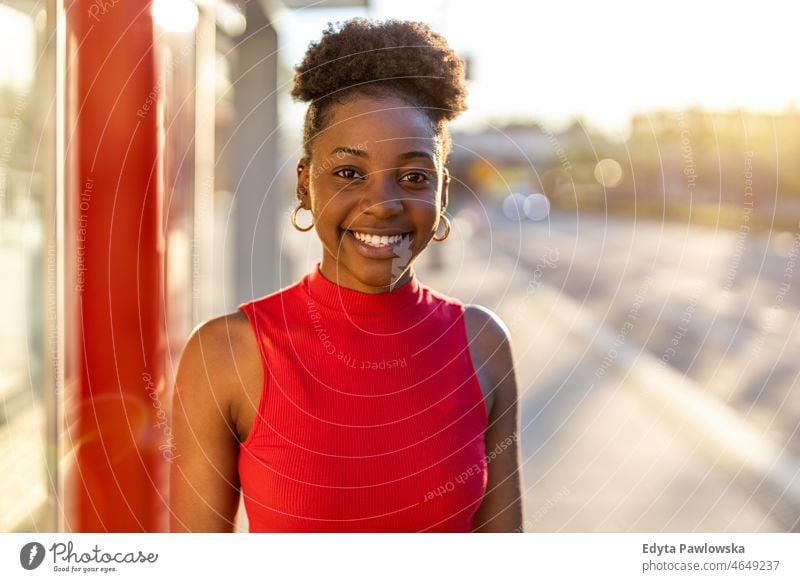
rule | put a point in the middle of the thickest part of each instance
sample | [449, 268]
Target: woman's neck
[364, 282]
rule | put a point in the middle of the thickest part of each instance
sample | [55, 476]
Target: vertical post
[204, 136]
[54, 263]
[256, 200]
[114, 336]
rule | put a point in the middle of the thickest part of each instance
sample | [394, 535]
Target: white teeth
[377, 241]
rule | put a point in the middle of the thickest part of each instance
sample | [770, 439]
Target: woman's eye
[348, 173]
[415, 177]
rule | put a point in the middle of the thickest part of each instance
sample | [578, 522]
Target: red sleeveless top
[371, 417]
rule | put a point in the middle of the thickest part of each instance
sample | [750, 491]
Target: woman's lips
[387, 251]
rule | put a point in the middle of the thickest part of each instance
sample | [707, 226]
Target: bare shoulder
[490, 348]
[501, 508]
[486, 330]
[204, 484]
[485, 320]
[219, 355]
[224, 333]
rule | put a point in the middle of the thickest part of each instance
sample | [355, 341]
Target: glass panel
[25, 175]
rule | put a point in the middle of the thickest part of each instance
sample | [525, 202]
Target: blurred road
[607, 444]
[721, 307]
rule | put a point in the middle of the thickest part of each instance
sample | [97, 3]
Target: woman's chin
[385, 276]
[373, 274]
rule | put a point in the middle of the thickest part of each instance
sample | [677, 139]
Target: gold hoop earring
[297, 226]
[446, 229]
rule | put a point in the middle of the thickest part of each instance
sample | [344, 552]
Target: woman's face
[375, 185]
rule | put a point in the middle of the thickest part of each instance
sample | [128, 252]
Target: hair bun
[397, 54]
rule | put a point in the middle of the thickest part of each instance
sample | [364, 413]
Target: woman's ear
[302, 184]
[445, 193]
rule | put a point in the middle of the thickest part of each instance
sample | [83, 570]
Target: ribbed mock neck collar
[355, 302]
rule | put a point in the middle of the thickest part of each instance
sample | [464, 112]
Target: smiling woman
[357, 399]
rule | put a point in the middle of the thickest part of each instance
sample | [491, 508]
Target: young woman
[357, 399]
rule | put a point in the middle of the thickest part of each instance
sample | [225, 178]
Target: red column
[115, 407]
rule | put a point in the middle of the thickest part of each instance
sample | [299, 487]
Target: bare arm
[501, 509]
[204, 483]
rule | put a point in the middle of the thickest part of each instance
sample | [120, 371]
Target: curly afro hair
[380, 58]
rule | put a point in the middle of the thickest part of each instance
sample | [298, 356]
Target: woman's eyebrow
[417, 154]
[350, 151]
[347, 150]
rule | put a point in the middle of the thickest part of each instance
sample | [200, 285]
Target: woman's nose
[383, 199]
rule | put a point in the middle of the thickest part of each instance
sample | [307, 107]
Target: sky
[601, 61]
